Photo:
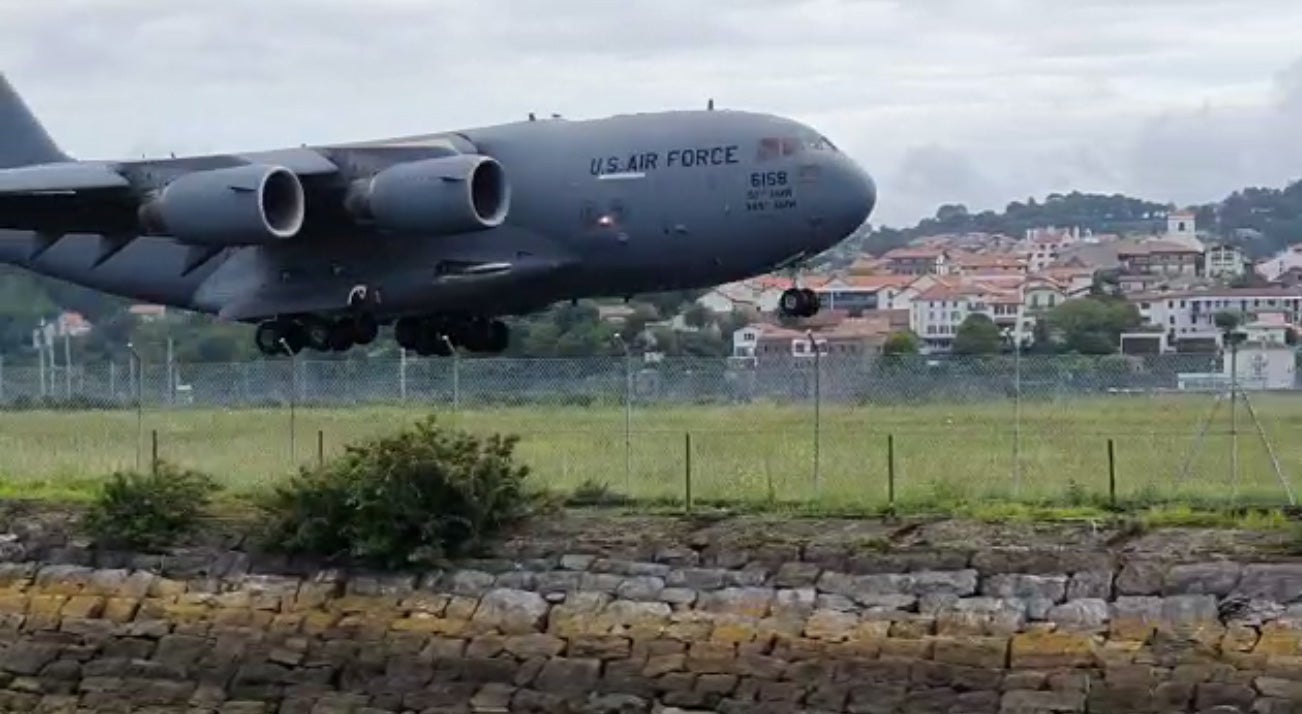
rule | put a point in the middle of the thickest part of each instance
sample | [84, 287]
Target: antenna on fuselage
[710, 105]
[532, 117]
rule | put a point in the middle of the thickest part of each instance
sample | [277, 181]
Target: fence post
[320, 447]
[1017, 411]
[153, 451]
[890, 471]
[139, 378]
[628, 420]
[818, 404]
[1112, 476]
[687, 471]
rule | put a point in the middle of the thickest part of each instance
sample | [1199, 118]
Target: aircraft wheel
[317, 334]
[406, 332]
[267, 338]
[365, 329]
[471, 334]
[498, 338]
[295, 335]
[341, 336]
[792, 303]
[811, 302]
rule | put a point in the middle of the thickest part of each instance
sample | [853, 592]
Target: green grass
[945, 454]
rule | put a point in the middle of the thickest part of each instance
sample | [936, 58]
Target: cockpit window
[822, 143]
[782, 146]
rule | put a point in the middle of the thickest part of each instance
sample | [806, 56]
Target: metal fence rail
[853, 430]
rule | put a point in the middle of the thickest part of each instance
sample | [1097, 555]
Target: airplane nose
[854, 194]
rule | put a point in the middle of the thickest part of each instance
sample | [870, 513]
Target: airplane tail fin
[23, 141]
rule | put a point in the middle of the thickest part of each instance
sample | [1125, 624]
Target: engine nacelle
[242, 205]
[445, 195]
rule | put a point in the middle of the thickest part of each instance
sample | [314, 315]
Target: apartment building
[1191, 314]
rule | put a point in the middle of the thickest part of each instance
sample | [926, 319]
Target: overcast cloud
[978, 102]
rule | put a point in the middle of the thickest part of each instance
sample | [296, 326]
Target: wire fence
[837, 429]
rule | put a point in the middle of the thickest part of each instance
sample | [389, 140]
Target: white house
[936, 313]
[860, 293]
[1192, 313]
[1224, 261]
[1283, 261]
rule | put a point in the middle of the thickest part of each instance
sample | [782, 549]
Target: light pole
[628, 415]
[1228, 323]
[140, 414]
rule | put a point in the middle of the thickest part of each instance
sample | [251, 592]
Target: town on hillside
[1176, 279]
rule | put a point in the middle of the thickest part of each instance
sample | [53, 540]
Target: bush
[150, 510]
[415, 497]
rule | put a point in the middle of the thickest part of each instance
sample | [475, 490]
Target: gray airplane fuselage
[607, 207]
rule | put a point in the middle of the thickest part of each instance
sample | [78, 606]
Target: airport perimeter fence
[840, 430]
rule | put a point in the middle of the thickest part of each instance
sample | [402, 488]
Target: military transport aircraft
[438, 235]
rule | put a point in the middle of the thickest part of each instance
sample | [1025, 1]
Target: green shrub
[414, 497]
[149, 510]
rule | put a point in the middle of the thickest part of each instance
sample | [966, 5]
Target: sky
[942, 101]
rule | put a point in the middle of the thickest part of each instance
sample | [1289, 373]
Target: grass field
[942, 451]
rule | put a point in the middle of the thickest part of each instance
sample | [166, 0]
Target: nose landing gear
[798, 302]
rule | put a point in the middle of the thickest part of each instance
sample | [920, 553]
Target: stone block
[1052, 588]
[985, 652]
[562, 674]
[830, 625]
[1051, 650]
[1275, 687]
[1090, 584]
[1211, 578]
[534, 645]
[1277, 582]
[746, 602]
[26, 657]
[1084, 615]
[1021, 701]
[1280, 639]
[1135, 618]
[1141, 577]
[1209, 695]
[797, 575]
[696, 578]
[711, 658]
[512, 612]
[641, 588]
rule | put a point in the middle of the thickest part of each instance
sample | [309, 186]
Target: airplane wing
[60, 178]
[96, 197]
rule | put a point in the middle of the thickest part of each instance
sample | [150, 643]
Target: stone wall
[554, 625]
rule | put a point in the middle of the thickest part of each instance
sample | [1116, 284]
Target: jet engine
[242, 205]
[439, 196]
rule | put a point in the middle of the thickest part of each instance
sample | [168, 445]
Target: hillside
[1262, 220]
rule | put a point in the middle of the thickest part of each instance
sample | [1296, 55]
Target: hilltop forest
[1262, 220]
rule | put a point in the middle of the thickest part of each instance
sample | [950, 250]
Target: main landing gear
[275, 337]
[438, 336]
[798, 302]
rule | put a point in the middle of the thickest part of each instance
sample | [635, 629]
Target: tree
[1093, 325]
[978, 335]
[901, 343]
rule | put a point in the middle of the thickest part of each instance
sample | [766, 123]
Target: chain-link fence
[840, 429]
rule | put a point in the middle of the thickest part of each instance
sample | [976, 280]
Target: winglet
[23, 141]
